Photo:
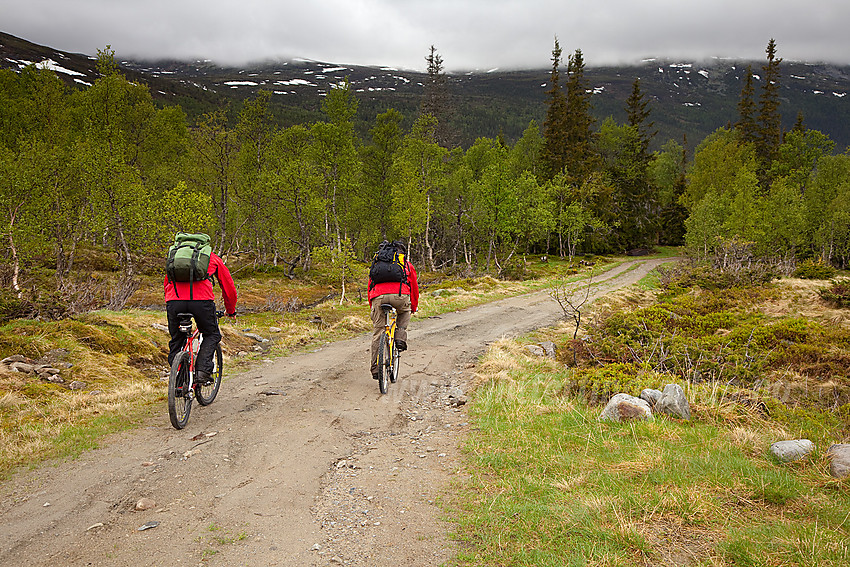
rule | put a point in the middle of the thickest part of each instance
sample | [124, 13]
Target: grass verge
[549, 484]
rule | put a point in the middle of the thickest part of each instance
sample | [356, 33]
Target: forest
[106, 167]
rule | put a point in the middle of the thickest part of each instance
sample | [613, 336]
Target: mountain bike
[388, 354]
[182, 388]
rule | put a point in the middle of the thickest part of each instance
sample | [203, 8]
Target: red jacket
[411, 288]
[204, 289]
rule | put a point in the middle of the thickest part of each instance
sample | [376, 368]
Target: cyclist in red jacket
[404, 296]
[202, 307]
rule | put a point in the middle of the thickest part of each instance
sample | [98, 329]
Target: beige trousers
[402, 307]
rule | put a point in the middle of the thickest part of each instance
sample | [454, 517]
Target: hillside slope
[688, 98]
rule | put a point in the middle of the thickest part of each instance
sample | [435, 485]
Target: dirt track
[298, 462]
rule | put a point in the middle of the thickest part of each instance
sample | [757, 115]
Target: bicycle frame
[192, 335]
[389, 328]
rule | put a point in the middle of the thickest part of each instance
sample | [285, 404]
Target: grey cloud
[469, 34]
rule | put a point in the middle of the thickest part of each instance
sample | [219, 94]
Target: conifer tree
[435, 99]
[582, 159]
[746, 125]
[637, 112]
[799, 125]
[769, 118]
[554, 153]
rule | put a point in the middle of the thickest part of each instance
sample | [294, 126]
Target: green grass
[551, 485]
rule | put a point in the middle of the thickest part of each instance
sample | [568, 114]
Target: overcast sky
[468, 34]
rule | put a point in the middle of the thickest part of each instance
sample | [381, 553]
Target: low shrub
[814, 270]
[838, 294]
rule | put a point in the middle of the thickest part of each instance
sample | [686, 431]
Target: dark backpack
[188, 259]
[388, 265]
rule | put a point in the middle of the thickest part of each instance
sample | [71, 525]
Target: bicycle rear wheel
[383, 364]
[205, 393]
[179, 394]
[395, 365]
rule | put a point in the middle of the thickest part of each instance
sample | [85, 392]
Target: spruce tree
[435, 99]
[637, 112]
[746, 125]
[554, 156]
[769, 118]
[581, 158]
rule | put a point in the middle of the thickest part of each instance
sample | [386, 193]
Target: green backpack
[188, 259]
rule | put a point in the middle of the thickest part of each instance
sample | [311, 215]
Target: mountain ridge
[687, 98]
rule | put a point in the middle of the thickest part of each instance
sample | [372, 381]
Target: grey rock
[145, 504]
[549, 347]
[22, 367]
[159, 327]
[456, 397]
[793, 450]
[77, 385]
[55, 378]
[536, 350]
[651, 396]
[275, 329]
[15, 358]
[624, 407]
[839, 460]
[673, 402]
[47, 370]
[256, 337]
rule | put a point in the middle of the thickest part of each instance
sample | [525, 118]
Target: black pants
[204, 313]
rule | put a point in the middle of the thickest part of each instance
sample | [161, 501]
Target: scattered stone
[336, 559]
[56, 379]
[256, 337]
[275, 329]
[839, 460]
[651, 396]
[535, 350]
[198, 437]
[273, 393]
[147, 526]
[673, 402]
[159, 327]
[623, 407]
[15, 358]
[22, 367]
[93, 526]
[47, 370]
[550, 349]
[794, 450]
[77, 385]
[456, 397]
[316, 547]
[145, 504]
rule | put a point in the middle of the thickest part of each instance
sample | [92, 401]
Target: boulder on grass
[839, 460]
[624, 407]
[673, 402]
[793, 450]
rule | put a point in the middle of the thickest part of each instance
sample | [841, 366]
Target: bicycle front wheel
[179, 394]
[205, 393]
[383, 364]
